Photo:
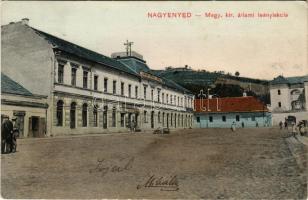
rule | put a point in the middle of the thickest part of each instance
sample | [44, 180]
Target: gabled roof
[84, 53]
[230, 104]
[12, 87]
[289, 80]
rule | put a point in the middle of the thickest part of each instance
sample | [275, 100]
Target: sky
[257, 47]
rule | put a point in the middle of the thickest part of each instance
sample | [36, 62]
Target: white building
[289, 98]
[88, 92]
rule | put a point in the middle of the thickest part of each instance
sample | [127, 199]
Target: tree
[237, 74]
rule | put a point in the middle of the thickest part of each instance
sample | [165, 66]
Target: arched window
[84, 115]
[295, 92]
[60, 113]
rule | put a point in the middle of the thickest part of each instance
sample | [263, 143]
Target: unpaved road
[202, 163]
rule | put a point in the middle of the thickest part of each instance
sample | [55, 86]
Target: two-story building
[289, 98]
[88, 92]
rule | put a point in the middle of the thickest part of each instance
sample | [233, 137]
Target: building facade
[223, 112]
[289, 98]
[30, 110]
[88, 92]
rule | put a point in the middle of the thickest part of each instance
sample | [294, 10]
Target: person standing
[243, 125]
[6, 135]
[294, 131]
[280, 125]
[233, 127]
[15, 133]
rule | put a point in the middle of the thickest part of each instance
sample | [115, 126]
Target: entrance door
[73, 115]
[34, 127]
[20, 125]
[152, 119]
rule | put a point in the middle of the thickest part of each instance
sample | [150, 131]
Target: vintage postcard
[154, 100]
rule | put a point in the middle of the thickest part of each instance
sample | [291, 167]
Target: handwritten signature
[164, 183]
[104, 166]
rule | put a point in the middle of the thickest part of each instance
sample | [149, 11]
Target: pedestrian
[280, 125]
[233, 127]
[243, 125]
[294, 131]
[6, 134]
[133, 126]
[15, 133]
[257, 124]
[285, 124]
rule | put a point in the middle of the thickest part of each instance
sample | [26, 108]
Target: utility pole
[128, 47]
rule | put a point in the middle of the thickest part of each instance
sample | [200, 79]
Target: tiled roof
[289, 80]
[139, 66]
[84, 53]
[135, 64]
[230, 104]
[12, 87]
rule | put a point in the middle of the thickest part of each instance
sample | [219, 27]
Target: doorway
[152, 119]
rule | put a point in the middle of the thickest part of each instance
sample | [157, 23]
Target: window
[182, 101]
[211, 119]
[279, 92]
[73, 74]
[152, 94]
[129, 91]
[95, 119]
[85, 79]
[95, 82]
[158, 95]
[198, 119]
[145, 116]
[145, 92]
[114, 87]
[253, 118]
[158, 117]
[237, 118]
[84, 115]
[113, 117]
[170, 99]
[60, 113]
[105, 84]
[122, 88]
[279, 104]
[163, 98]
[60, 73]
[223, 118]
[122, 119]
[178, 101]
[174, 100]
[167, 97]
[136, 92]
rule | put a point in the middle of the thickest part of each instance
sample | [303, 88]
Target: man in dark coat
[6, 135]
[15, 133]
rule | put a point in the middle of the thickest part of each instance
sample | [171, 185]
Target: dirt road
[196, 163]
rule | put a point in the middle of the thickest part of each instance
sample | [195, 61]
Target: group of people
[9, 134]
[300, 127]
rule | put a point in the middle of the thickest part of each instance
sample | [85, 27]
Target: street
[252, 163]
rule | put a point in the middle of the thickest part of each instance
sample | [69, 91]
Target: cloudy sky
[256, 47]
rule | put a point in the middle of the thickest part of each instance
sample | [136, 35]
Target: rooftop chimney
[25, 21]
